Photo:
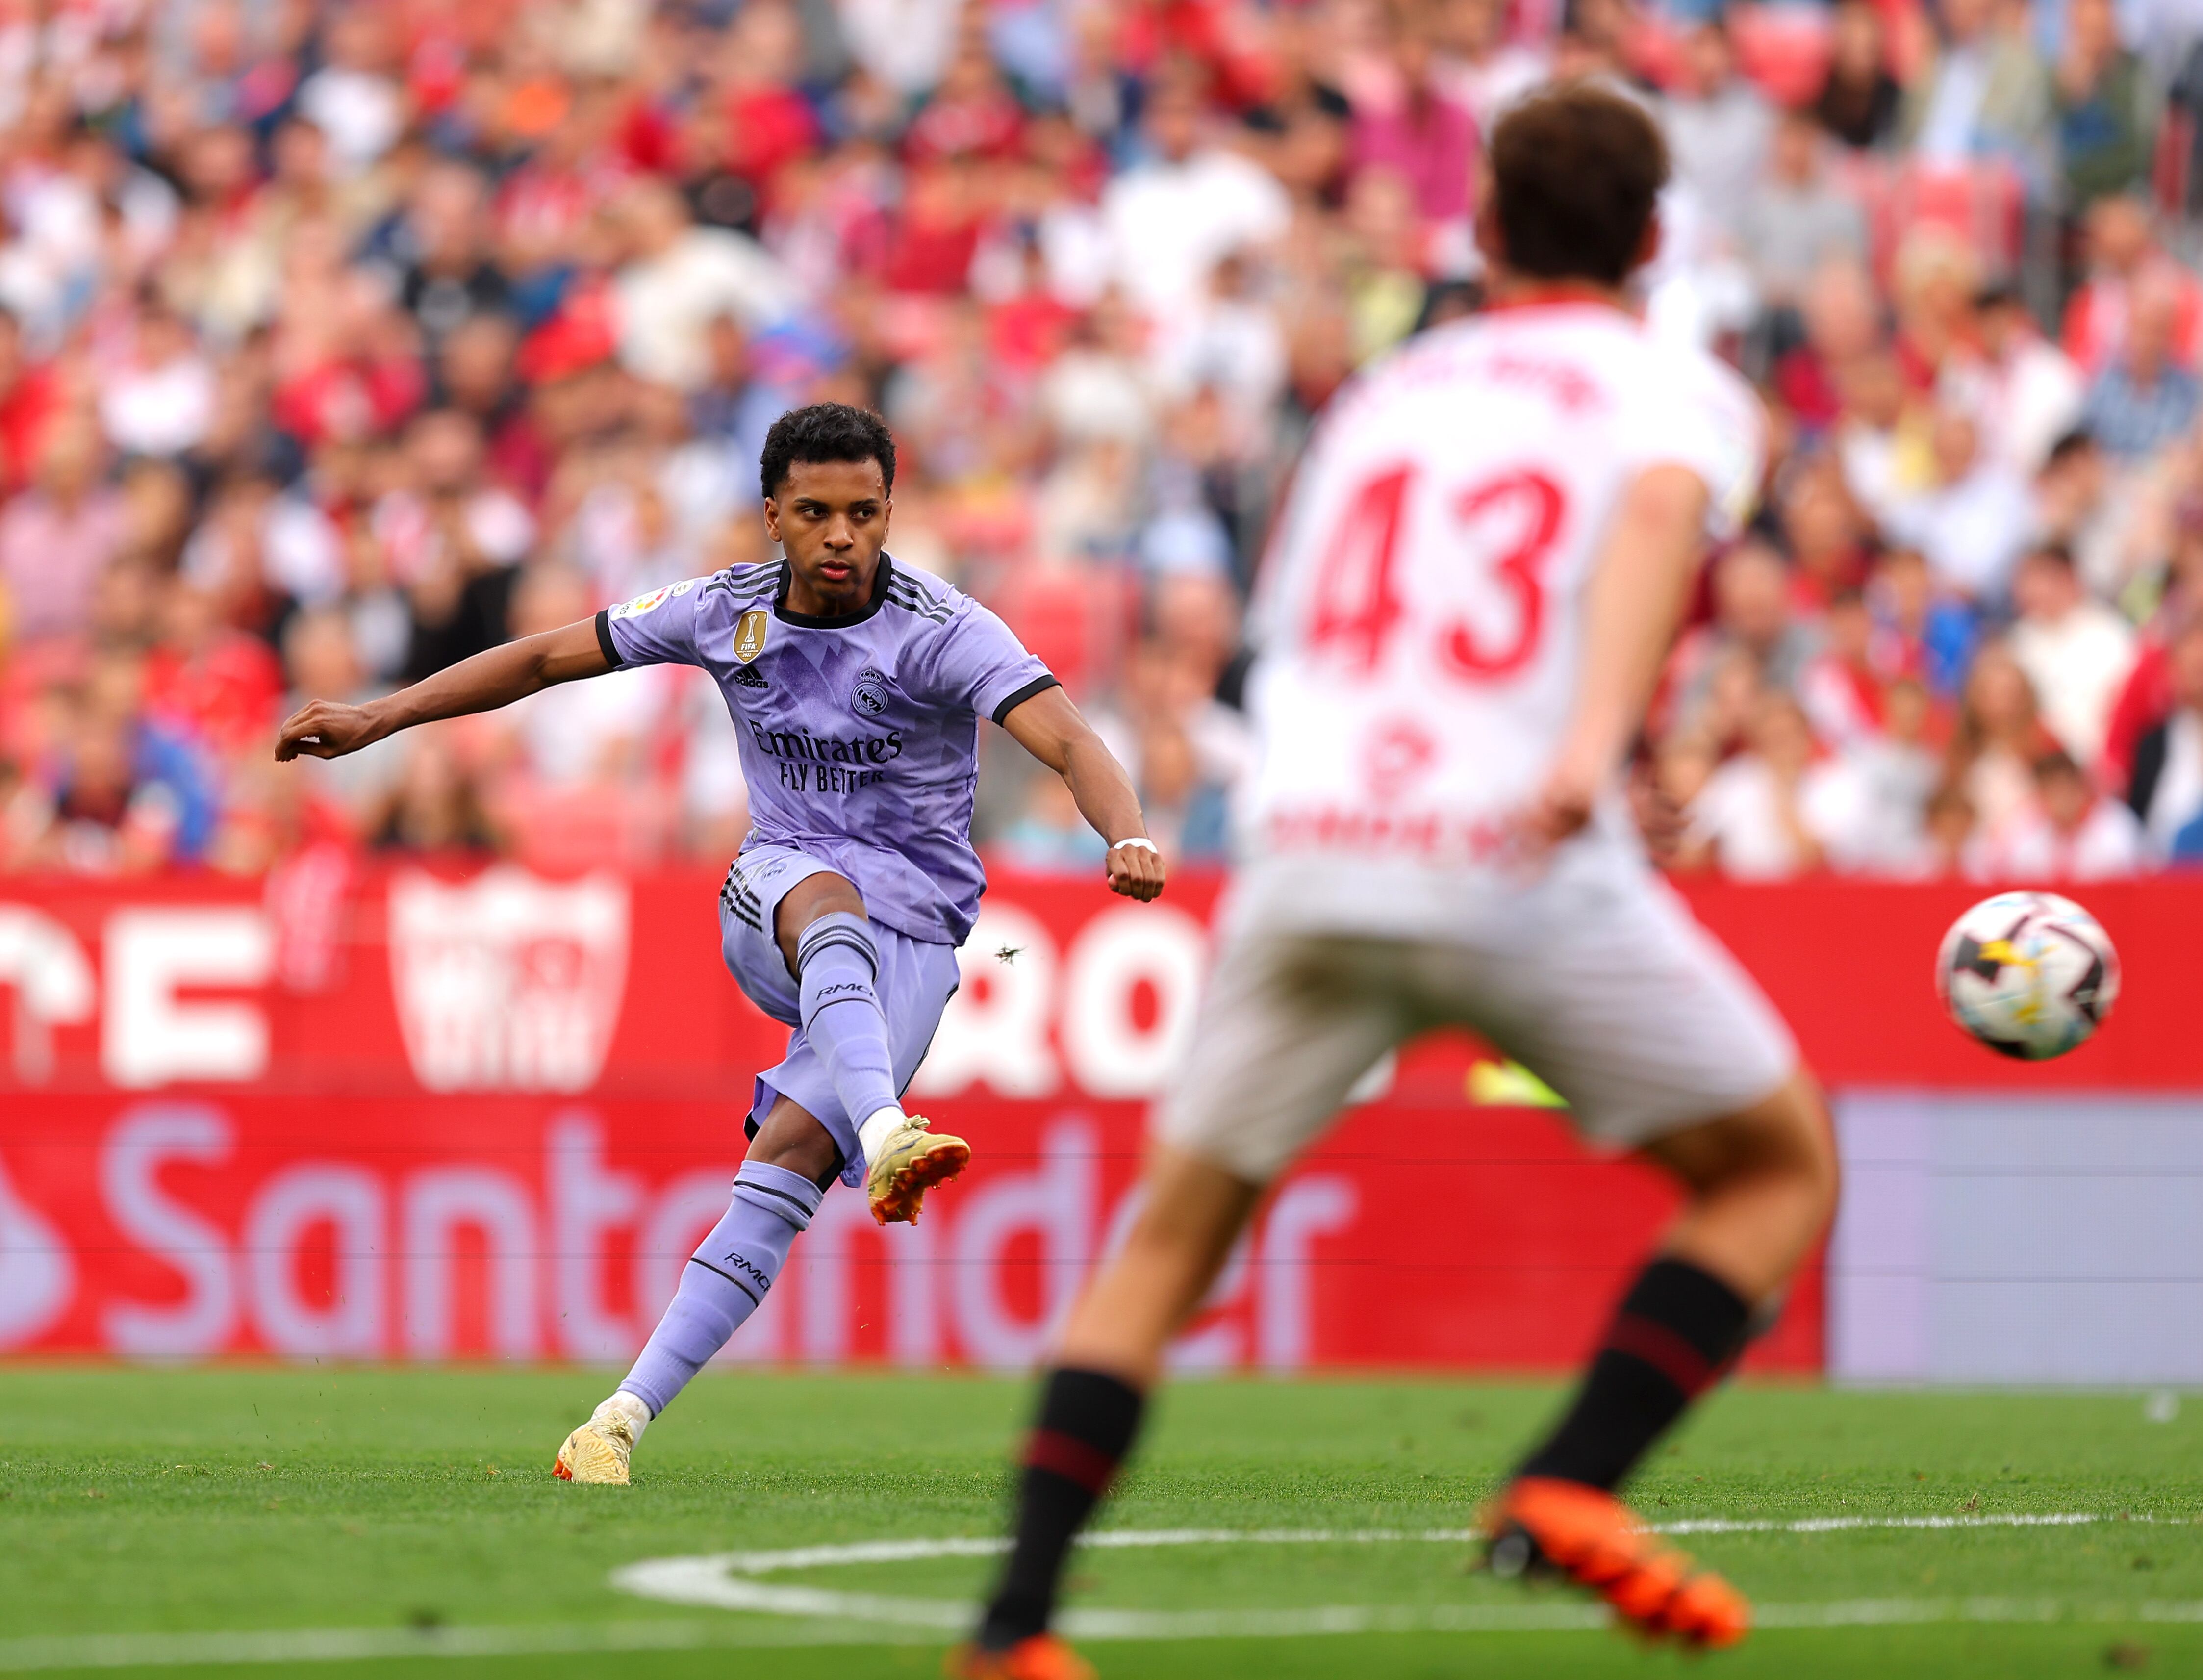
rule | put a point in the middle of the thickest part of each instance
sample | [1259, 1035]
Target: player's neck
[1512, 290]
[800, 599]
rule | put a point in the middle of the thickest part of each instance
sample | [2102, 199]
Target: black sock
[1086, 1424]
[1674, 1335]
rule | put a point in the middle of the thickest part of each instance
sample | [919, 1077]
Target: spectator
[1972, 521]
[2103, 108]
[1173, 218]
[1954, 846]
[1719, 127]
[1795, 223]
[2075, 651]
[1752, 621]
[448, 275]
[118, 793]
[1489, 67]
[161, 401]
[1049, 838]
[1897, 772]
[56, 538]
[1984, 95]
[1407, 123]
[321, 659]
[2144, 400]
[1859, 100]
[1922, 629]
[2024, 393]
[2166, 791]
[354, 98]
[2070, 833]
[678, 279]
[2122, 250]
[1773, 812]
[2074, 508]
[1999, 739]
[433, 806]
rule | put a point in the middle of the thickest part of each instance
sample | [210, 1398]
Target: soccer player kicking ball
[1485, 556]
[856, 686]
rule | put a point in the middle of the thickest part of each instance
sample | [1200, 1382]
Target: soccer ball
[2029, 974]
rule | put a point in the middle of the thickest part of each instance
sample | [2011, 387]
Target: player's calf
[725, 1280]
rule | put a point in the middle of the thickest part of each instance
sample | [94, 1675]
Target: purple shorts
[916, 981]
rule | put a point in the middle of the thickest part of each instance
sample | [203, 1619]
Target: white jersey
[1421, 617]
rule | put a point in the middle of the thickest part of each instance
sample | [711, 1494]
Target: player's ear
[1490, 243]
[772, 517]
[1648, 248]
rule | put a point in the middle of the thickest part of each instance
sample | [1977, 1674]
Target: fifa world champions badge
[749, 635]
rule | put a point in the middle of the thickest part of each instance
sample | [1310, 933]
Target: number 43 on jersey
[1508, 523]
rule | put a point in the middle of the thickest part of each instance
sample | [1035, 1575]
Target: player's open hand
[1135, 871]
[325, 729]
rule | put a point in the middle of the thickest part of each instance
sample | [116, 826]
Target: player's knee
[1801, 1144]
[808, 902]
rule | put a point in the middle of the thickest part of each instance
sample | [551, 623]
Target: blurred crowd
[339, 341]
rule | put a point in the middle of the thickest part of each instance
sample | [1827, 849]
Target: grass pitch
[350, 1522]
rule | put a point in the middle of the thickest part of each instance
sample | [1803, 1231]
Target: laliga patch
[749, 634]
[653, 602]
[650, 603]
[869, 696]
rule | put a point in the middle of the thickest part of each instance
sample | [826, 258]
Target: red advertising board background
[416, 1113]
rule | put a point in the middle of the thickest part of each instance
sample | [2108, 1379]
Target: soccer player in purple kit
[856, 686]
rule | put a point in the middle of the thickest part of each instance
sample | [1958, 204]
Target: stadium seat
[1784, 48]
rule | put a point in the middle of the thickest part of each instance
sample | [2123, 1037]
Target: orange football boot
[1541, 1523]
[1042, 1657]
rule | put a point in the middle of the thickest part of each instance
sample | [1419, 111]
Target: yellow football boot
[910, 1161]
[598, 1449]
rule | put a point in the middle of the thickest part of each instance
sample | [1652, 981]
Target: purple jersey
[859, 735]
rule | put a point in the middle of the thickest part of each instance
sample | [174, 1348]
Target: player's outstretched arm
[325, 729]
[1633, 602]
[1048, 727]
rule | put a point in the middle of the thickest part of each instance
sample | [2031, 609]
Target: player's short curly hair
[1576, 175]
[826, 432]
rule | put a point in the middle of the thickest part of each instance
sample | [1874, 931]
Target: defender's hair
[826, 432]
[1575, 175]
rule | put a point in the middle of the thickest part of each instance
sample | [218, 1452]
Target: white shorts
[1595, 977]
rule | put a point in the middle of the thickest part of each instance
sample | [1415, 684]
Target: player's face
[830, 519]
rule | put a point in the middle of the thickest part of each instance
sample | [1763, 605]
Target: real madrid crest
[749, 634]
[869, 698]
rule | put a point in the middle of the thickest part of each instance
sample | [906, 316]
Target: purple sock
[725, 1280]
[836, 963]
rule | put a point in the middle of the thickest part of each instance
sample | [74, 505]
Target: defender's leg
[791, 1162]
[830, 949]
[1762, 1184]
[1288, 1025]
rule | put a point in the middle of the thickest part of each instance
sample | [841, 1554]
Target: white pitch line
[1828, 1525]
[330, 1645]
[729, 1581]
[66, 1654]
[819, 1617]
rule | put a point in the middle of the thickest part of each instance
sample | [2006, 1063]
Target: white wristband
[1140, 841]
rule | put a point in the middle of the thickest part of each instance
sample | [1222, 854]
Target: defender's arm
[1631, 605]
[1048, 727]
[324, 729]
